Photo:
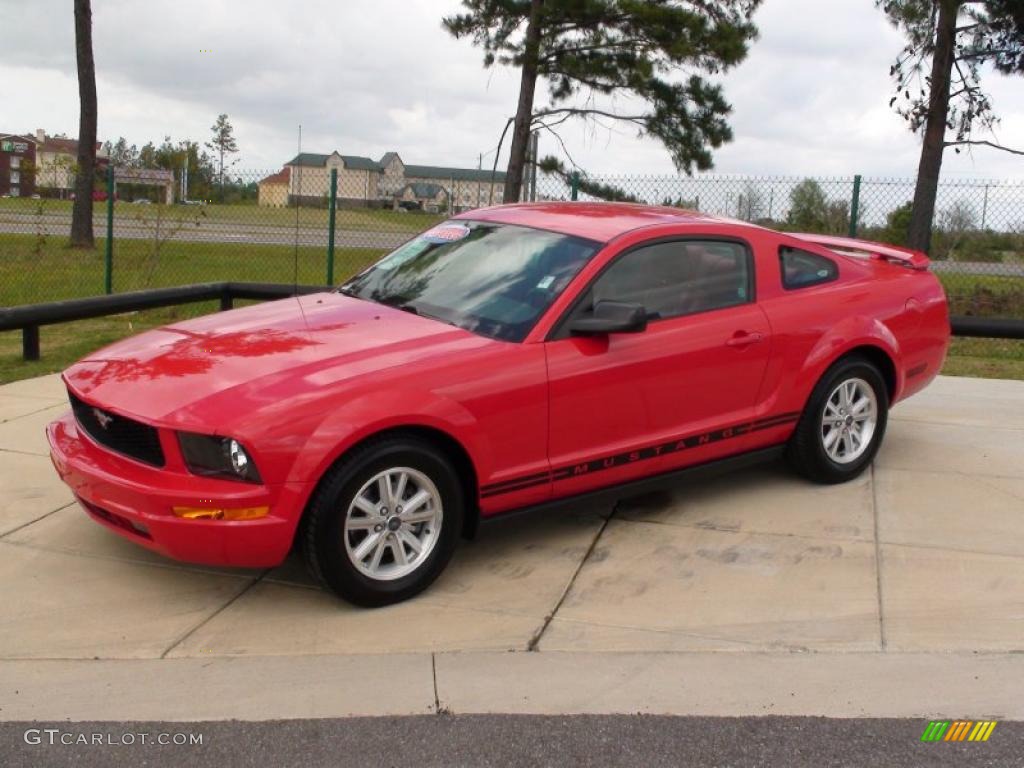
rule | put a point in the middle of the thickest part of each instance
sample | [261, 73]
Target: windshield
[491, 279]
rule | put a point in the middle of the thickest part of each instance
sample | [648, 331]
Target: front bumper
[135, 501]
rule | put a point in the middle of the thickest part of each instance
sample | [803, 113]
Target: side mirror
[611, 317]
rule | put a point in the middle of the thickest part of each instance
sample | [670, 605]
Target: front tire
[843, 424]
[384, 521]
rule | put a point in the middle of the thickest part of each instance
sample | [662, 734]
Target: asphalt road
[505, 740]
[210, 232]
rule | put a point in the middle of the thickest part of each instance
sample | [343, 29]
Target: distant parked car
[142, 201]
[516, 356]
[98, 195]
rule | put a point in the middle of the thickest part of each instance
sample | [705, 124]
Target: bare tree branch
[987, 144]
[639, 119]
[538, 120]
[561, 143]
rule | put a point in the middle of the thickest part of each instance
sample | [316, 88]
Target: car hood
[163, 375]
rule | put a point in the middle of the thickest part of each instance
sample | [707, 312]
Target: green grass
[986, 358]
[215, 215]
[35, 271]
[984, 295]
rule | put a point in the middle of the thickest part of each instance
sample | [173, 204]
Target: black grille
[138, 441]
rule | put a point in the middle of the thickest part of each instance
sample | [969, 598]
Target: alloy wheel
[393, 523]
[848, 420]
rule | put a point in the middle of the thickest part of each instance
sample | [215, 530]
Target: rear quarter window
[802, 269]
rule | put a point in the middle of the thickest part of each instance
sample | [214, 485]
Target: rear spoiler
[877, 251]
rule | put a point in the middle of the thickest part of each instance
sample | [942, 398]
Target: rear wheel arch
[808, 448]
[855, 335]
[880, 359]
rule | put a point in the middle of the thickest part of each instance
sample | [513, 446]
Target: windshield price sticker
[446, 233]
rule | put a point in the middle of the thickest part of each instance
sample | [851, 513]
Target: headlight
[217, 457]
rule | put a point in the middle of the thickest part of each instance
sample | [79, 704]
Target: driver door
[623, 404]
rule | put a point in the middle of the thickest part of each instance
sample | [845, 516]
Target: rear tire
[843, 423]
[384, 521]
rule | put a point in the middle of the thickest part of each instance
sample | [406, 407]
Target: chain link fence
[256, 227]
[312, 224]
[978, 227]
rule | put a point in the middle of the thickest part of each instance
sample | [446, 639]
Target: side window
[678, 278]
[801, 269]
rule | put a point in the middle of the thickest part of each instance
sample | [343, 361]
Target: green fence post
[330, 224]
[108, 278]
[855, 206]
[574, 185]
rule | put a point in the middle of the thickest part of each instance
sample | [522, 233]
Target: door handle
[744, 338]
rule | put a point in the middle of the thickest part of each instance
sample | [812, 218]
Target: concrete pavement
[900, 594]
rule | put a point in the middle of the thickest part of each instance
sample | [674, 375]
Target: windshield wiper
[397, 301]
[402, 303]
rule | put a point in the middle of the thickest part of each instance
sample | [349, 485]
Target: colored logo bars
[958, 730]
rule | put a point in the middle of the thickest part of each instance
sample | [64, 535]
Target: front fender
[374, 412]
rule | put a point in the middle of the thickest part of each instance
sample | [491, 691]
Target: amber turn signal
[207, 513]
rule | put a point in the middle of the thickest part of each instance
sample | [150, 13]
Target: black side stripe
[639, 454]
[516, 483]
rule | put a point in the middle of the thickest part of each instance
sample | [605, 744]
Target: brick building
[40, 164]
[17, 165]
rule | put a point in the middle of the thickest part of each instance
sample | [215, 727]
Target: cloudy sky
[367, 76]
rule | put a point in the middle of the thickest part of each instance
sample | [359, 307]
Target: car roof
[593, 221]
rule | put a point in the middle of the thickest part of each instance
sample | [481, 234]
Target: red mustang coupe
[512, 357]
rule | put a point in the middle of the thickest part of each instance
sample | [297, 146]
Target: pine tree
[81, 212]
[950, 40]
[628, 48]
[223, 143]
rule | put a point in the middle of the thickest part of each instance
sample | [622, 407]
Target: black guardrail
[30, 317]
[987, 327]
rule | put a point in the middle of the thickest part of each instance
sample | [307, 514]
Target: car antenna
[298, 188]
[298, 195]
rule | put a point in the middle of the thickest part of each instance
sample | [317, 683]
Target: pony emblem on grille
[104, 419]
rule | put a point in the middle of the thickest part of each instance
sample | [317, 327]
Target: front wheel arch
[451, 447]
